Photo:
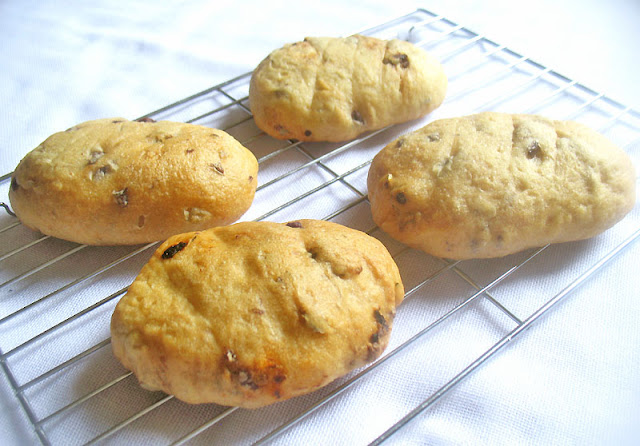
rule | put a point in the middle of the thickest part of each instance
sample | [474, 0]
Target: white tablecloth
[570, 379]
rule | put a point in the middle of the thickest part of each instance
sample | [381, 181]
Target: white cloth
[571, 378]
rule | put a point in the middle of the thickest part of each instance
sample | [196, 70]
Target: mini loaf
[493, 184]
[257, 312]
[334, 89]
[115, 182]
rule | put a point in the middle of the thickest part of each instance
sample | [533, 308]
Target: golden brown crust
[334, 89]
[114, 181]
[492, 184]
[257, 312]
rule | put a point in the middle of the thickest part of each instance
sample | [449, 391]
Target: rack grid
[56, 297]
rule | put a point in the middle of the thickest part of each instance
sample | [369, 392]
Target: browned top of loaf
[114, 181]
[257, 312]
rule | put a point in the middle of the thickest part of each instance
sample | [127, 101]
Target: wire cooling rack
[57, 297]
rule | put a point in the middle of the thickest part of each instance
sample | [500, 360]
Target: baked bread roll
[116, 182]
[334, 89]
[257, 312]
[493, 184]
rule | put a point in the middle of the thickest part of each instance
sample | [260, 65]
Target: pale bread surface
[492, 184]
[334, 89]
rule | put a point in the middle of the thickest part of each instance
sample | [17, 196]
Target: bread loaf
[492, 184]
[115, 182]
[257, 312]
[334, 89]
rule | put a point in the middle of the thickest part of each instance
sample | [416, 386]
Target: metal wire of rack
[80, 389]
